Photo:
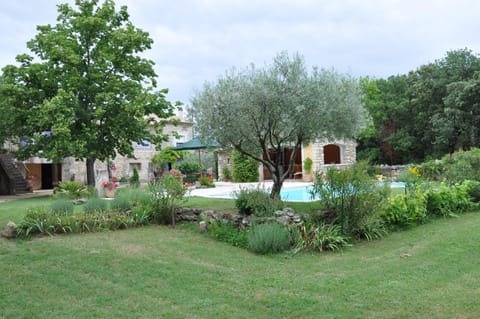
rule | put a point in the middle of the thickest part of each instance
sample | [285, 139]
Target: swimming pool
[302, 194]
[298, 194]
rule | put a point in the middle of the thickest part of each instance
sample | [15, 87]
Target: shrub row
[424, 201]
[453, 168]
[273, 237]
[131, 207]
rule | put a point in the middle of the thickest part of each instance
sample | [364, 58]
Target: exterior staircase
[11, 178]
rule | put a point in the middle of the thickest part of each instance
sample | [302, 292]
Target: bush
[432, 170]
[226, 173]
[228, 233]
[473, 189]
[245, 169]
[71, 190]
[410, 176]
[206, 181]
[166, 193]
[449, 201]
[95, 206]
[307, 165]
[269, 238]
[135, 179]
[62, 206]
[461, 166]
[256, 201]
[192, 170]
[348, 198]
[405, 210]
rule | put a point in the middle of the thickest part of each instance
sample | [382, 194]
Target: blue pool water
[300, 194]
[296, 194]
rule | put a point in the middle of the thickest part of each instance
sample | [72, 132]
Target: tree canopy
[87, 93]
[260, 111]
[431, 111]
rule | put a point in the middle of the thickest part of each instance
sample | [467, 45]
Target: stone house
[324, 154]
[45, 174]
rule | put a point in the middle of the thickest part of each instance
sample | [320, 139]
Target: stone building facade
[324, 154]
[46, 174]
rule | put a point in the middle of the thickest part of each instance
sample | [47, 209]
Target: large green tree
[427, 113]
[386, 139]
[87, 93]
[261, 111]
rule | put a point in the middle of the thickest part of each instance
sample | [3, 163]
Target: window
[331, 154]
[144, 145]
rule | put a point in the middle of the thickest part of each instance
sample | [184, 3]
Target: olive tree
[261, 111]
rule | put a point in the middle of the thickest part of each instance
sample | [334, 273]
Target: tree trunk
[90, 171]
[278, 180]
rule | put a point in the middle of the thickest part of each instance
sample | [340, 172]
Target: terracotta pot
[109, 193]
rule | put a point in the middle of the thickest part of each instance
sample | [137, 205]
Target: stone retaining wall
[286, 216]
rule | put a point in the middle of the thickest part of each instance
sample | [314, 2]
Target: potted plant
[110, 186]
[307, 167]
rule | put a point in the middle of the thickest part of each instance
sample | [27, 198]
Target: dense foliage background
[427, 113]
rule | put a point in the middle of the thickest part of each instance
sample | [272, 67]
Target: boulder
[279, 213]
[9, 231]
[285, 220]
[203, 226]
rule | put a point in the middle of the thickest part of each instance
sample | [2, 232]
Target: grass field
[431, 271]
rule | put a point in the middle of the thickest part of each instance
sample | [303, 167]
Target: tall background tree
[261, 111]
[88, 93]
[427, 113]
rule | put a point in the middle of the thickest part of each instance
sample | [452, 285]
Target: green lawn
[15, 210]
[431, 271]
[229, 204]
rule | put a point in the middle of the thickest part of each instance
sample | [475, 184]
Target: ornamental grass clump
[62, 206]
[95, 206]
[313, 237]
[41, 221]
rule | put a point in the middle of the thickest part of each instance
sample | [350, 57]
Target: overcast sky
[196, 41]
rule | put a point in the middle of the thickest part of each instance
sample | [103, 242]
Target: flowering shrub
[111, 184]
[414, 170]
[177, 174]
[166, 193]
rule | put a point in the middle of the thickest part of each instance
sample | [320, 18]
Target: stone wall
[348, 154]
[224, 160]
[122, 166]
[286, 216]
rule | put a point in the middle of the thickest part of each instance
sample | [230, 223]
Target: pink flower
[110, 184]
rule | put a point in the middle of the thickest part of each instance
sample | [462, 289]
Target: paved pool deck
[224, 189]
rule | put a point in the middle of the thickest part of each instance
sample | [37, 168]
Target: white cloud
[195, 41]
